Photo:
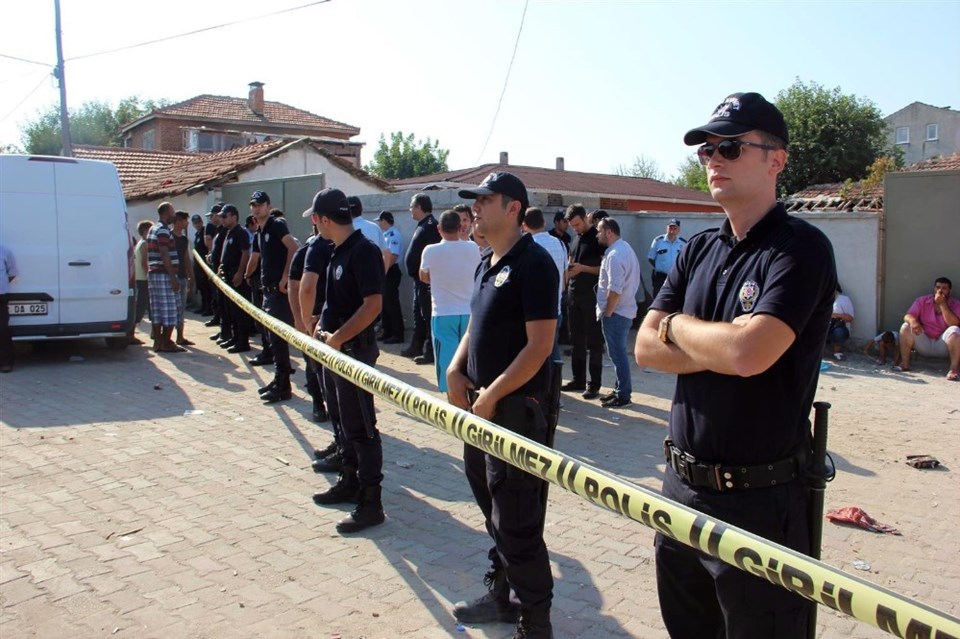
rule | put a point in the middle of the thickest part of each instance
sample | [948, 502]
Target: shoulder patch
[749, 293]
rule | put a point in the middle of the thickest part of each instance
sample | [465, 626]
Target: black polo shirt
[355, 272]
[199, 245]
[216, 247]
[589, 253]
[783, 267]
[273, 253]
[317, 261]
[426, 234]
[296, 265]
[235, 243]
[505, 297]
[563, 237]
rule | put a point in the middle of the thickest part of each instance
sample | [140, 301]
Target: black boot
[345, 491]
[415, 349]
[534, 624]
[493, 606]
[368, 513]
[269, 387]
[281, 391]
[320, 414]
[332, 463]
[320, 453]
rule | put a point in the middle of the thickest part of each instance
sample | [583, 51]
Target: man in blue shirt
[663, 253]
[391, 321]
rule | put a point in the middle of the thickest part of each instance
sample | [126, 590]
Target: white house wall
[305, 161]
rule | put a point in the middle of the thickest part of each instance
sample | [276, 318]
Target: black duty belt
[721, 477]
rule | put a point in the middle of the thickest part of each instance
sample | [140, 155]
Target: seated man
[932, 326]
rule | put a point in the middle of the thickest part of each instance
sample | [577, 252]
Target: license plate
[28, 308]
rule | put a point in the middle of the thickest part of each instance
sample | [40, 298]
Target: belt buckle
[682, 462]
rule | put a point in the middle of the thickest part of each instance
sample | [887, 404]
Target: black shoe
[260, 360]
[320, 414]
[269, 387]
[574, 386]
[227, 344]
[281, 390]
[393, 340]
[215, 338]
[608, 396]
[239, 348]
[321, 453]
[369, 512]
[412, 351]
[345, 491]
[206, 312]
[493, 606]
[332, 463]
[590, 393]
[423, 359]
[534, 625]
[616, 402]
[212, 322]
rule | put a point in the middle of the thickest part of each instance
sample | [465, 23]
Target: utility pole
[59, 74]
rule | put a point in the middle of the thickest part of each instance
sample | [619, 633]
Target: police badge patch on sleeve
[749, 293]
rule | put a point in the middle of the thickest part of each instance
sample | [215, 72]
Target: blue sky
[595, 82]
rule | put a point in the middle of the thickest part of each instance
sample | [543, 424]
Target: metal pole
[818, 485]
[61, 78]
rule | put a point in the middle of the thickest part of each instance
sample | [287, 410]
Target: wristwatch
[664, 332]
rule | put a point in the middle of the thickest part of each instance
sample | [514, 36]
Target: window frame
[936, 132]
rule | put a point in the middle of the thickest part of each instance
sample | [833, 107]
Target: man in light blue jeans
[617, 305]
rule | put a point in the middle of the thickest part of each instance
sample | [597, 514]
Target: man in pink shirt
[932, 326]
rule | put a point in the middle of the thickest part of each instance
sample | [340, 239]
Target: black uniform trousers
[203, 287]
[512, 503]
[586, 334]
[277, 306]
[421, 316]
[355, 420]
[392, 317]
[6, 336]
[256, 296]
[658, 279]
[703, 597]
[235, 318]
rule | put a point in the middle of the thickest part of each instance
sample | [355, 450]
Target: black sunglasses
[729, 149]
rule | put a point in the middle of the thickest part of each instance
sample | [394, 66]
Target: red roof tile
[946, 163]
[208, 170]
[541, 179]
[229, 110]
[132, 164]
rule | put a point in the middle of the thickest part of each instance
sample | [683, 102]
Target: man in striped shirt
[162, 281]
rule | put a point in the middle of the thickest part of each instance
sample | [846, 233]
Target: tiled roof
[541, 179]
[132, 164]
[946, 163]
[225, 109]
[209, 170]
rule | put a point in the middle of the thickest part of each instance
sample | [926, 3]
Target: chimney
[560, 164]
[255, 99]
[504, 158]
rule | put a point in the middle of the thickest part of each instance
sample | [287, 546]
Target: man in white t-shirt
[535, 225]
[449, 268]
[370, 230]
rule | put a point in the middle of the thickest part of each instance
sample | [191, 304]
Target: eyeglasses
[729, 149]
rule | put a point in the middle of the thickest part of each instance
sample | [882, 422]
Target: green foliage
[692, 175]
[832, 136]
[404, 157]
[93, 122]
[642, 167]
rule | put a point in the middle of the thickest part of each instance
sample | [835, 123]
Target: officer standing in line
[199, 275]
[294, 293]
[421, 345]
[742, 320]
[501, 372]
[277, 247]
[213, 237]
[233, 264]
[265, 356]
[663, 253]
[392, 320]
[354, 300]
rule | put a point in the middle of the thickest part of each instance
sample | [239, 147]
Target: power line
[13, 57]
[195, 32]
[32, 91]
[506, 81]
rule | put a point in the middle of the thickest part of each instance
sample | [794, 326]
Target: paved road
[123, 515]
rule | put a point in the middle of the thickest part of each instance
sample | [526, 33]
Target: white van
[65, 221]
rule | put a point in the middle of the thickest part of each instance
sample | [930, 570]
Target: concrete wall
[922, 231]
[916, 117]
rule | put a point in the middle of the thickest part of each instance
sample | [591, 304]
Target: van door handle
[79, 263]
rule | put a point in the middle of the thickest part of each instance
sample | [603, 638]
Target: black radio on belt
[720, 477]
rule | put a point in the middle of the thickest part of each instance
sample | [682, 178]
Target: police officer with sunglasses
[741, 320]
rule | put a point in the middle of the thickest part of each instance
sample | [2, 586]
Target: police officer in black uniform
[314, 384]
[277, 247]
[213, 259]
[265, 357]
[501, 373]
[233, 264]
[426, 233]
[585, 332]
[742, 320]
[199, 275]
[353, 302]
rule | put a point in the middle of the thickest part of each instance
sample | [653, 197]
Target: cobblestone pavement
[123, 514]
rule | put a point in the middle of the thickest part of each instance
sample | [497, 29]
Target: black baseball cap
[740, 113]
[559, 215]
[503, 183]
[673, 222]
[230, 209]
[386, 216]
[333, 204]
[356, 206]
[259, 197]
[215, 209]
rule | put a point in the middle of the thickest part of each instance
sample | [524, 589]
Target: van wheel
[117, 343]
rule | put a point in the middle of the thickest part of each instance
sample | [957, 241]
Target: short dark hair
[943, 280]
[276, 213]
[534, 218]
[506, 200]
[771, 140]
[598, 215]
[182, 215]
[450, 221]
[163, 208]
[610, 224]
[424, 202]
[144, 226]
[887, 337]
[464, 208]
[356, 206]
[575, 210]
[250, 220]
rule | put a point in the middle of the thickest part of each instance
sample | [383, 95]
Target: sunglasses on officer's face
[728, 149]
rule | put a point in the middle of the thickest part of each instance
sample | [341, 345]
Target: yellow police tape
[814, 580]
